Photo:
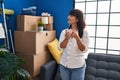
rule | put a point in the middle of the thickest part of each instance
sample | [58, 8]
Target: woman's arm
[80, 44]
[63, 40]
[63, 44]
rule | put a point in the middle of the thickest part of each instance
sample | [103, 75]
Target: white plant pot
[40, 28]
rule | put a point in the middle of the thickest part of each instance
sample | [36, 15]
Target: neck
[74, 26]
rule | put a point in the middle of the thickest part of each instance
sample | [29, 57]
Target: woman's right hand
[68, 34]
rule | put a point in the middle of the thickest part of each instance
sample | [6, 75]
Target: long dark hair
[81, 23]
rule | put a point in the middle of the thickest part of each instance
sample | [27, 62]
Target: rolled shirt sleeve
[62, 37]
[85, 40]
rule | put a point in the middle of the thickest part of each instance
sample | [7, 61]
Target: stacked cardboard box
[32, 43]
[35, 78]
[32, 46]
[29, 23]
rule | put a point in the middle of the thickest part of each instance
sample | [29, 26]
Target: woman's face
[72, 19]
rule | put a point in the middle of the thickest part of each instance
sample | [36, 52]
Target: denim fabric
[72, 74]
[29, 13]
[34, 8]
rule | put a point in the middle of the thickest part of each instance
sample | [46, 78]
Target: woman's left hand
[75, 34]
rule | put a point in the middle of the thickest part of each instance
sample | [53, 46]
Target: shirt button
[68, 53]
[68, 48]
[70, 43]
[67, 65]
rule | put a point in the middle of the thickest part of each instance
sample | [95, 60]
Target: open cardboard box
[32, 43]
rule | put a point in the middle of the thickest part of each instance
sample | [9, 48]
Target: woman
[74, 43]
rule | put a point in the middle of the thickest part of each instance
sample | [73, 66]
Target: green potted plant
[10, 67]
[40, 26]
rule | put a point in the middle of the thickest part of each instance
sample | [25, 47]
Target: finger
[66, 31]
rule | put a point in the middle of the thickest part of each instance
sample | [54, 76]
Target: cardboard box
[27, 23]
[30, 23]
[50, 19]
[48, 27]
[32, 43]
[35, 78]
[33, 63]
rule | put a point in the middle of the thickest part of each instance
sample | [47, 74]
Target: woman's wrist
[66, 38]
[77, 38]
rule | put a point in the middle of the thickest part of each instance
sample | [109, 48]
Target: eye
[71, 15]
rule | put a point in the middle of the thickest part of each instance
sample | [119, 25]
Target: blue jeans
[72, 74]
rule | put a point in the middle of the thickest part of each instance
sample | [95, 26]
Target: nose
[68, 17]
